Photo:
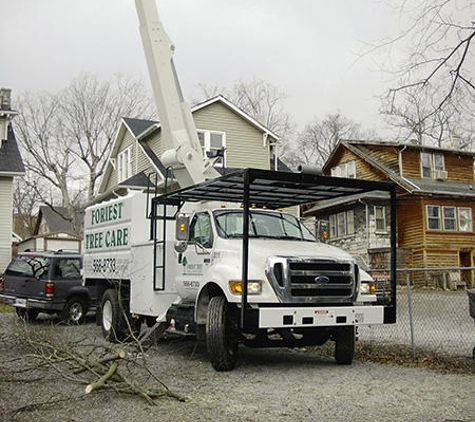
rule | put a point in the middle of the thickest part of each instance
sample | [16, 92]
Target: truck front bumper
[290, 317]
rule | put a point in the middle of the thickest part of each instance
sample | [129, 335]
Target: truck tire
[221, 340]
[345, 345]
[112, 317]
[27, 314]
[75, 310]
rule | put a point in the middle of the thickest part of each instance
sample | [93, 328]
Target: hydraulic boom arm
[183, 151]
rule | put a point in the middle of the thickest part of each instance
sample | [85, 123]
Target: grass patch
[397, 354]
[6, 308]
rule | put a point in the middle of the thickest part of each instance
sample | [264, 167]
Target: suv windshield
[272, 225]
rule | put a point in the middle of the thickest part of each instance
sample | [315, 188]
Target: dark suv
[48, 282]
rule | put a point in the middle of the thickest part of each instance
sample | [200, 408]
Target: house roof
[54, 219]
[141, 129]
[139, 126]
[369, 151]
[11, 162]
[332, 203]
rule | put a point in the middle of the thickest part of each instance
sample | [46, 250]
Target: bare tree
[26, 199]
[318, 139]
[66, 137]
[438, 70]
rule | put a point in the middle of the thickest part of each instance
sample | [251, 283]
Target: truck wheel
[221, 338]
[112, 317]
[345, 345]
[27, 314]
[75, 310]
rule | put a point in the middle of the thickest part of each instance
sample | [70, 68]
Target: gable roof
[54, 220]
[138, 127]
[368, 151]
[11, 163]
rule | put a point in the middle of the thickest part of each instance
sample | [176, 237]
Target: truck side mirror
[182, 231]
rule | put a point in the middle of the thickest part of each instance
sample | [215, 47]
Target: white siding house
[11, 165]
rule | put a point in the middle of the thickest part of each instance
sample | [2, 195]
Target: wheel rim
[107, 315]
[76, 312]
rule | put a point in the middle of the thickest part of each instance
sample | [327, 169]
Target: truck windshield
[273, 225]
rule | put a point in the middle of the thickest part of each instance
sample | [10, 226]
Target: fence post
[411, 322]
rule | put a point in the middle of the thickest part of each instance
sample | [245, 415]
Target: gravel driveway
[267, 385]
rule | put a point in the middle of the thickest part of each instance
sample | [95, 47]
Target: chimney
[6, 113]
[5, 96]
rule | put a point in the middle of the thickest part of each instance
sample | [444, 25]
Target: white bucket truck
[218, 259]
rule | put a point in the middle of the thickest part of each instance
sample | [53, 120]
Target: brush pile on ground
[97, 366]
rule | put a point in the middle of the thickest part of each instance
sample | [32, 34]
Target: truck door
[197, 256]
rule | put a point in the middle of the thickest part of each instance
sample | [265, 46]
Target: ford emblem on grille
[323, 279]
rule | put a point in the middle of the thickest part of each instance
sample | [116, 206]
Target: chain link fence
[433, 312]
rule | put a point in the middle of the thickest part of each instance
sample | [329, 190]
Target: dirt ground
[267, 385]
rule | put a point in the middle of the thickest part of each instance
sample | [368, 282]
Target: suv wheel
[74, 312]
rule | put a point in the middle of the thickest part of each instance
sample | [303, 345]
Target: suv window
[67, 268]
[29, 266]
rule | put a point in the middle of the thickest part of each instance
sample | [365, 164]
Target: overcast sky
[309, 49]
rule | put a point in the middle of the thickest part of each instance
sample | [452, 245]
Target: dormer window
[432, 165]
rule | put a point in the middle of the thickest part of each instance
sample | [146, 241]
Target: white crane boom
[183, 151]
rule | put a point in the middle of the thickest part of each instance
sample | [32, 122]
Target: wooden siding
[459, 168]
[410, 223]
[386, 154]
[6, 221]
[411, 163]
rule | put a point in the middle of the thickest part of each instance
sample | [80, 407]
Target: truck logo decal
[322, 279]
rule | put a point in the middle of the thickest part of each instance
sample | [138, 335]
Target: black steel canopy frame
[275, 190]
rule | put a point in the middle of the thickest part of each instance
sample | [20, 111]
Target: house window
[433, 217]
[212, 144]
[431, 163]
[347, 169]
[465, 219]
[124, 159]
[342, 224]
[451, 219]
[380, 218]
[450, 222]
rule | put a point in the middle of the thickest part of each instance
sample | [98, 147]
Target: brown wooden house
[435, 207]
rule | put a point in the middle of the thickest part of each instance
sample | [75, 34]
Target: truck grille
[313, 281]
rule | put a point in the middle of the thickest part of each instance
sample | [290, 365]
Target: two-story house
[435, 205]
[11, 165]
[236, 138]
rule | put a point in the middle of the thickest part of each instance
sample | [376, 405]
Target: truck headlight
[254, 287]
[367, 288]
